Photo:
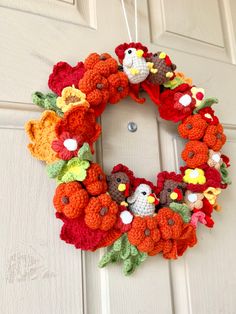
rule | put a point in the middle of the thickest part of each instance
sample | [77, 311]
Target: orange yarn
[214, 137]
[70, 199]
[101, 212]
[195, 154]
[95, 181]
[118, 87]
[42, 132]
[103, 64]
[144, 233]
[170, 223]
[110, 238]
[193, 127]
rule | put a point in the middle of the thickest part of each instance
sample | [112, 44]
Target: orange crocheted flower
[70, 199]
[101, 212]
[118, 87]
[42, 132]
[195, 153]
[95, 86]
[144, 233]
[215, 137]
[95, 181]
[80, 121]
[193, 127]
[111, 236]
[103, 64]
[170, 223]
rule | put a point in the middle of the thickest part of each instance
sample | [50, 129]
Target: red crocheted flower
[70, 199]
[95, 181]
[80, 121]
[67, 146]
[103, 64]
[170, 223]
[64, 75]
[193, 127]
[144, 233]
[76, 232]
[95, 86]
[195, 154]
[124, 221]
[214, 137]
[208, 115]
[101, 212]
[118, 87]
[176, 104]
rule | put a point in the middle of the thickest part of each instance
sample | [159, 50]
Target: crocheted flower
[101, 212]
[80, 121]
[74, 170]
[215, 159]
[208, 115]
[193, 200]
[198, 217]
[42, 132]
[67, 146]
[124, 221]
[195, 153]
[198, 94]
[193, 127]
[95, 86]
[214, 137]
[195, 176]
[71, 96]
[207, 210]
[95, 181]
[144, 233]
[211, 194]
[176, 104]
[70, 199]
[103, 64]
[64, 75]
[118, 87]
[185, 79]
[76, 232]
[170, 223]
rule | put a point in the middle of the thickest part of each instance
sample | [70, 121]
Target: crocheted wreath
[132, 216]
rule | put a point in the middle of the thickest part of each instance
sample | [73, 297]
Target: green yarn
[84, 152]
[123, 251]
[53, 170]
[46, 101]
[174, 83]
[224, 174]
[74, 170]
[208, 102]
[181, 209]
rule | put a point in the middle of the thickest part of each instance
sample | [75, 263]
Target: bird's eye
[144, 193]
[179, 187]
[168, 190]
[129, 51]
[155, 55]
[118, 179]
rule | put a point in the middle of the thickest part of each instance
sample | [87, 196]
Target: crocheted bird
[132, 56]
[142, 202]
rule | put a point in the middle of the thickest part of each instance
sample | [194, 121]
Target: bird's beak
[139, 53]
[124, 188]
[176, 195]
[152, 199]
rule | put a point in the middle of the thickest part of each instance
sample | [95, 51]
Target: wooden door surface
[38, 272]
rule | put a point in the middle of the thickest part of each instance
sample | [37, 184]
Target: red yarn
[165, 175]
[120, 50]
[64, 75]
[153, 91]
[122, 168]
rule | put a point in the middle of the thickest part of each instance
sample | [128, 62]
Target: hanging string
[135, 20]
[126, 20]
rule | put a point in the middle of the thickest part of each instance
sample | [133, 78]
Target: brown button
[65, 200]
[99, 86]
[219, 136]
[103, 211]
[100, 177]
[102, 57]
[120, 89]
[190, 154]
[147, 232]
[189, 126]
[171, 222]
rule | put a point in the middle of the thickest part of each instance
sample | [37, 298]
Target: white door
[38, 272]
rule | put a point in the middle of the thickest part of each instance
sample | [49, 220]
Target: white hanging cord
[136, 20]
[126, 20]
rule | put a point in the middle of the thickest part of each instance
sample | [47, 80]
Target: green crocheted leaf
[117, 246]
[84, 152]
[208, 102]
[46, 101]
[53, 170]
[75, 170]
[181, 209]
[174, 83]
[107, 258]
[224, 174]
[125, 250]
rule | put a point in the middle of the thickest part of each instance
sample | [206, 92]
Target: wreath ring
[132, 216]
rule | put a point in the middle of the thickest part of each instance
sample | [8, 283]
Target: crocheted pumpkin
[101, 212]
[95, 181]
[70, 199]
[193, 127]
[195, 154]
[118, 87]
[103, 64]
[215, 137]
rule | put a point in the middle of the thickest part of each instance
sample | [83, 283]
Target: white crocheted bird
[132, 56]
[142, 202]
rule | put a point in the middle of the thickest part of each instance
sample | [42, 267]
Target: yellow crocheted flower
[211, 194]
[70, 97]
[185, 79]
[198, 94]
[195, 176]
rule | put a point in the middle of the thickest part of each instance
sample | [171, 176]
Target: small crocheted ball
[95, 182]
